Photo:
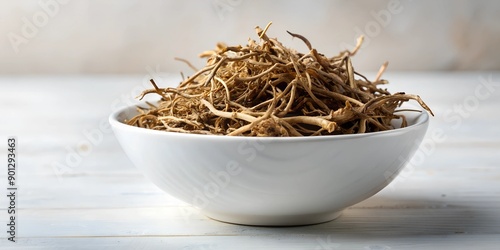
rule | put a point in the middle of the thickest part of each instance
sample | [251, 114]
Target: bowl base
[273, 221]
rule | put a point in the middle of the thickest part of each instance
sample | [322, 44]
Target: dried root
[266, 89]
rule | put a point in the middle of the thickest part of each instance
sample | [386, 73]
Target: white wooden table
[78, 190]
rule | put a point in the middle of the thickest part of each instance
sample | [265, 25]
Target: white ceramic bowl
[270, 181]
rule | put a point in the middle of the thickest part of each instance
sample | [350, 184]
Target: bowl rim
[422, 119]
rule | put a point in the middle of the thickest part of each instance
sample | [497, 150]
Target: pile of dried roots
[266, 89]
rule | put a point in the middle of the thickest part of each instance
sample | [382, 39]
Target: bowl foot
[273, 221]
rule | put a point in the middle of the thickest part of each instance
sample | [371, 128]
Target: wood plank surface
[448, 197]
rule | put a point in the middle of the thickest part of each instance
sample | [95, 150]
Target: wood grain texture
[448, 197]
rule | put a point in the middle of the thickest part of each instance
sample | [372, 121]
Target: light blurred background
[127, 36]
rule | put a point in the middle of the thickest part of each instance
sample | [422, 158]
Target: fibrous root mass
[267, 89]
